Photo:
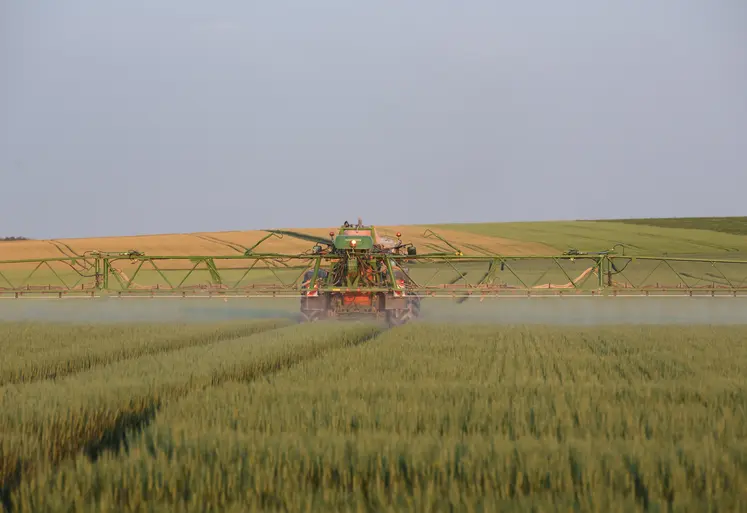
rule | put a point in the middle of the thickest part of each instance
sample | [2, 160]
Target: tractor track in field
[117, 440]
[189, 341]
[114, 440]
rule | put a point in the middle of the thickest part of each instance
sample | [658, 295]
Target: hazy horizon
[176, 117]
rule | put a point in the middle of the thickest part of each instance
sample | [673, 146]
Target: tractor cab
[355, 237]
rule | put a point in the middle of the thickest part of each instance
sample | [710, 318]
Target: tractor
[356, 276]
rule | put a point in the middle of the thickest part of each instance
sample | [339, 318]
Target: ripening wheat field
[272, 416]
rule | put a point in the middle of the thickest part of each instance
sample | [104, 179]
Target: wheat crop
[92, 410]
[33, 352]
[439, 418]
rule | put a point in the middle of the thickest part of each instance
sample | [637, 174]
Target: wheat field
[272, 416]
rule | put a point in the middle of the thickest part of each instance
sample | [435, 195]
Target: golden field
[224, 243]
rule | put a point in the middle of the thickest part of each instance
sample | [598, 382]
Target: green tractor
[357, 276]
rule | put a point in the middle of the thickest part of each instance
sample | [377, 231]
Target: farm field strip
[22, 279]
[600, 235]
[227, 243]
[33, 352]
[436, 416]
[733, 225]
[92, 410]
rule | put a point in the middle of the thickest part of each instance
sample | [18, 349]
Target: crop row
[430, 417]
[47, 351]
[505, 382]
[92, 410]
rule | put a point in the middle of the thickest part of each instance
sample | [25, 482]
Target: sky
[137, 117]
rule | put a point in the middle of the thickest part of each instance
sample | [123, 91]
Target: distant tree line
[10, 239]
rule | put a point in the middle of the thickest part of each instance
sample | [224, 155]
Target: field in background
[673, 237]
[234, 243]
[708, 237]
[350, 417]
[733, 225]
[705, 238]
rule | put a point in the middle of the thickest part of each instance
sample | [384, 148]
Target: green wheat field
[269, 415]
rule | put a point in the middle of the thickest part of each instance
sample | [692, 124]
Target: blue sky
[121, 118]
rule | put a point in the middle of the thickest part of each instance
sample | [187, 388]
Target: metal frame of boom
[99, 274]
